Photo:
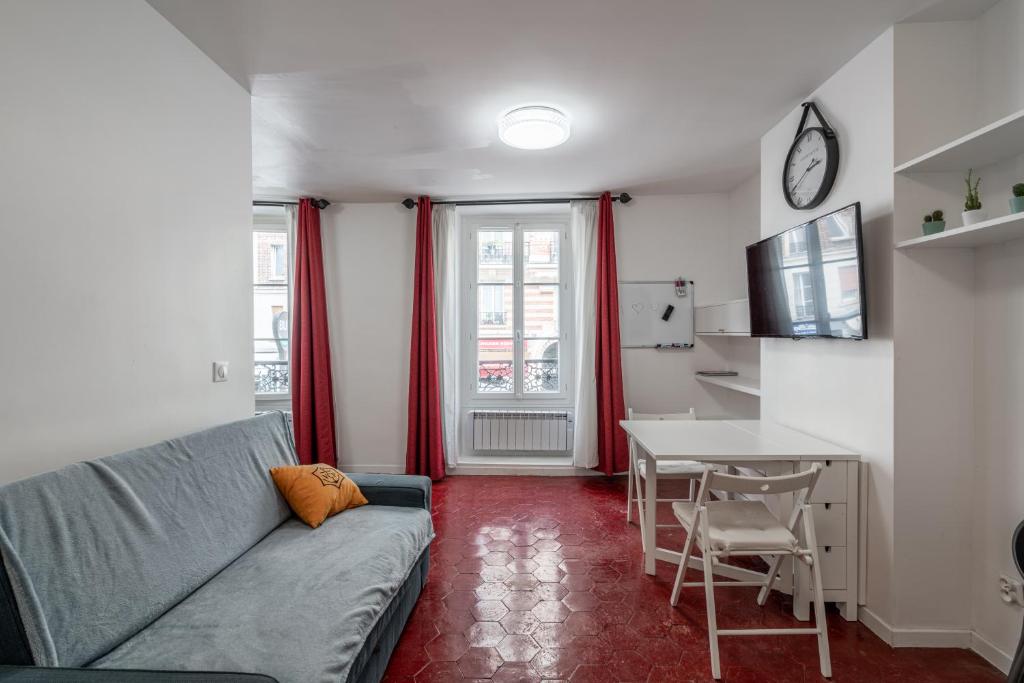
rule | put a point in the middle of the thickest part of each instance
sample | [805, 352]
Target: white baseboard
[930, 637]
[996, 657]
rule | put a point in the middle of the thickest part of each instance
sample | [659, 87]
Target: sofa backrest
[97, 550]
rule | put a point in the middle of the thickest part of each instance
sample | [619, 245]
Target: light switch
[220, 371]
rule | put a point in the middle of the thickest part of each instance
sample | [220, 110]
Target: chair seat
[686, 468]
[739, 525]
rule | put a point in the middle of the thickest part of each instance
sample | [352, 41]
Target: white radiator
[522, 430]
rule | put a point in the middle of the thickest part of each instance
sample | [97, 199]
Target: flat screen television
[809, 280]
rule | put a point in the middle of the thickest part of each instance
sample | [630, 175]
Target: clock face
[810, 169]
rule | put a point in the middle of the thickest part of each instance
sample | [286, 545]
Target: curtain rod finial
[408, 203]
[625, 198]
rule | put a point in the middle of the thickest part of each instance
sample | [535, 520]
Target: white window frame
[469, 369]
[264, 223]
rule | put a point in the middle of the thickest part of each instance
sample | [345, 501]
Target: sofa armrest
[42, 674]
[399, 490]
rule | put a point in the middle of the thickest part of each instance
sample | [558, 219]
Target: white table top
[729, 440]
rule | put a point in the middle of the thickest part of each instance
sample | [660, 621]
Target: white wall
[372, 246]
[125, 211]
[840, 390]
[368, 263]
[958, 477]
[997, 494]
[661, 238]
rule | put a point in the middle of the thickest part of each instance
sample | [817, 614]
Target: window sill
[273, 402]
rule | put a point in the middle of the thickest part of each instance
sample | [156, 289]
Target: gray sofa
[183, 557]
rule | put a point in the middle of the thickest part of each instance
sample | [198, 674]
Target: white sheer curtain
[583, 238]
[445, 224]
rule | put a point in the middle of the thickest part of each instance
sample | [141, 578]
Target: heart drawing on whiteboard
[638, 308]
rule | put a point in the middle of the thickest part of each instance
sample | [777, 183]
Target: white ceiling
[367, 100]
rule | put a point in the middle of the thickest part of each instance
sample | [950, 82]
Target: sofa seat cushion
[297, 606]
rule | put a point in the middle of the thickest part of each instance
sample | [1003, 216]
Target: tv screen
[809, 280]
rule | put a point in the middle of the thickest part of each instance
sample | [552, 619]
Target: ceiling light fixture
[533, 127]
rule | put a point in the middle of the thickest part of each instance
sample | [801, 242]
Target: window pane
[494, 366]
[270, 311]
[494, 256]
[540, 310]
[540, 372]
[494, 310]
[540, 256]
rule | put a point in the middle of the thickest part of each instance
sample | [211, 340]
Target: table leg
[651, 513]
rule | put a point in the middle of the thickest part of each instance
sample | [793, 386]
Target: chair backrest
[734, 483]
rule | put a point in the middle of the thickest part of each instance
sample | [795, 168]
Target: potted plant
[933, 222]
[1017, 200]
[973, 213]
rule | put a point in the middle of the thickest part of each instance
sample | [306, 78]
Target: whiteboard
[641, 306]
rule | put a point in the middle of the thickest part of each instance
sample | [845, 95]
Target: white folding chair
[635, 481]
[724, 528]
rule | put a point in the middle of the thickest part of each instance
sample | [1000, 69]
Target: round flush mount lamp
[533, 127]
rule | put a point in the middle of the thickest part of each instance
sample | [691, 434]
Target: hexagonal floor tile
[479, 662]
[485, 634]
[520, 623]
[581, 602]
[517, 648]
[521, 600]
[489, 610]
[550, 611]
[447, 647]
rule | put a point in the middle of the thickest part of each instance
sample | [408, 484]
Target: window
[516, 309]
[271, 296]
[803, 296]
[796, 242]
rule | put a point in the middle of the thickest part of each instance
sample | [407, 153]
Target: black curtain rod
[409, 203]
[318, 203]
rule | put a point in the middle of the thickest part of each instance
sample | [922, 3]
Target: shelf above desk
[990, 144]
[993, 231]
[746, 385]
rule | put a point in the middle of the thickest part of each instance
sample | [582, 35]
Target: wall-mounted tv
[809, 280]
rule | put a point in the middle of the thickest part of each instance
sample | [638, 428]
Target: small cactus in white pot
[973, 212]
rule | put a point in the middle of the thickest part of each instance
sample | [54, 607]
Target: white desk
[774, 449]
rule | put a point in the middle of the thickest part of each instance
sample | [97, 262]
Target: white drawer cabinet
[727, 318]
[831, 486]
[830, 523]
[833, 567]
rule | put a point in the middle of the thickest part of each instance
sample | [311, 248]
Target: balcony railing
[496, 377]
[271, 376]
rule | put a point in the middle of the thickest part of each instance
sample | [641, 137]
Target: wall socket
[220, 371]
[1011, 591]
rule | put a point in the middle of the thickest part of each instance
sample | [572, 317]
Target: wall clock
[811, 164]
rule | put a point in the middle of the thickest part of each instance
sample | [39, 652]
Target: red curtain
[612, 449]
[312, 397]
[424, 453]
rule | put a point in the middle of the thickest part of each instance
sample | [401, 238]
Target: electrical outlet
[220, 371]
[1011, 591]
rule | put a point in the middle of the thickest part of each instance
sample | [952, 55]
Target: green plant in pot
[933, 222]
[1017, 200]
[973, 213]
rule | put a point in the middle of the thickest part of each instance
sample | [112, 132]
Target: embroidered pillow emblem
[328, 476]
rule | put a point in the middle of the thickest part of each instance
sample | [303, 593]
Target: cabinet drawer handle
[828, 463]
[828, 549]
[828, 506]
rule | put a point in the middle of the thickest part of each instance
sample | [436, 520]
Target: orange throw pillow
[315, 492]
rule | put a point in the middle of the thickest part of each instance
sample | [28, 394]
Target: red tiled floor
[541, 579]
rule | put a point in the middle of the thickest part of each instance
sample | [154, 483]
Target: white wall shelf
[991, 144]
[994, 231]
[746, 385]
